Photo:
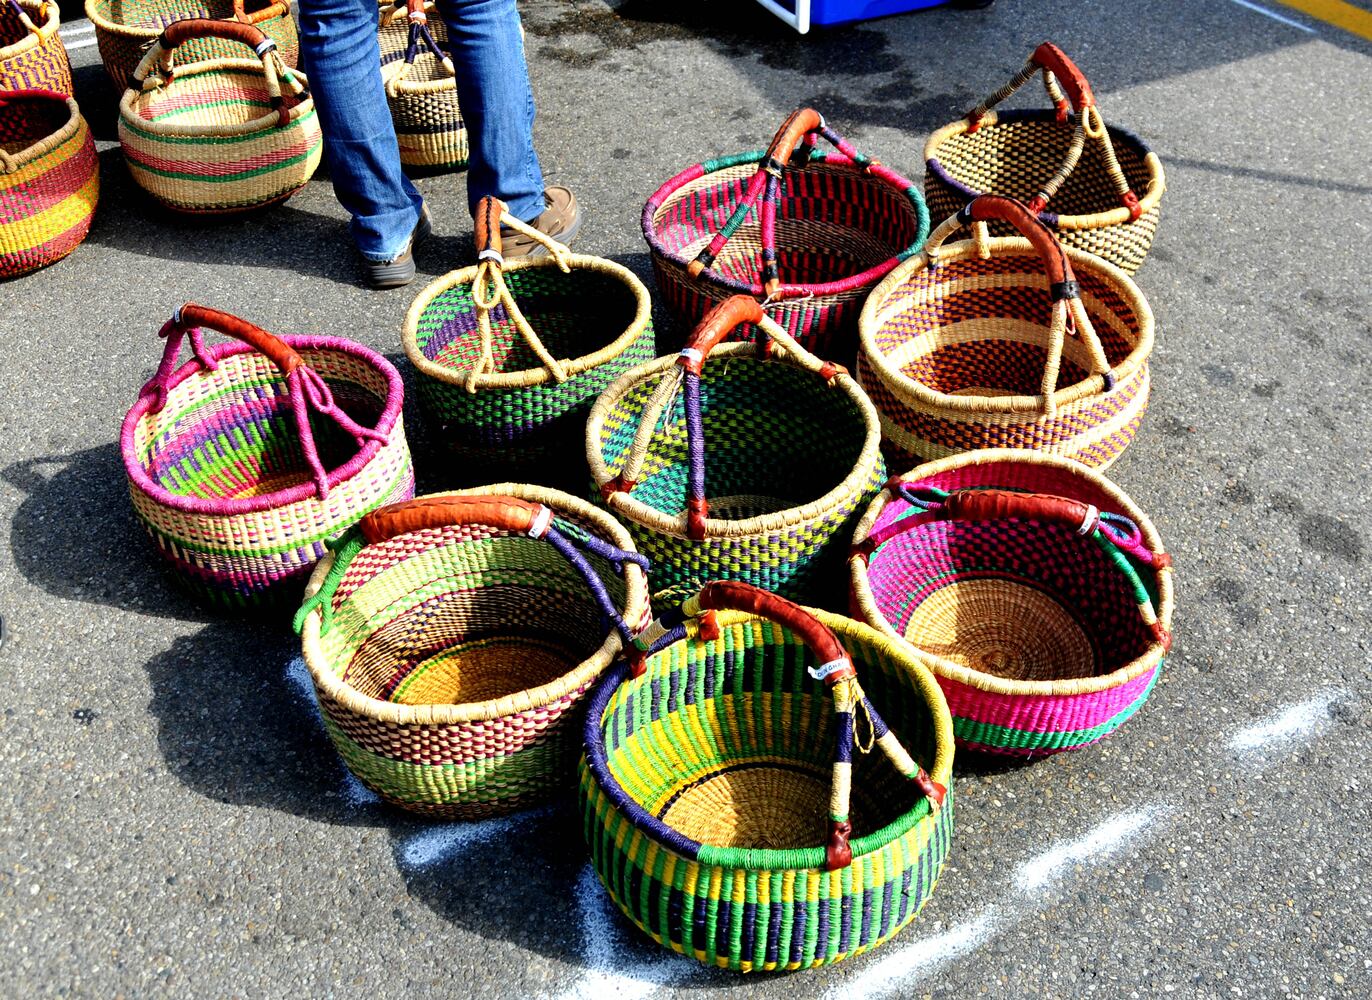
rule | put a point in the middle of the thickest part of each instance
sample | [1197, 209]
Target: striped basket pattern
[219, 137]
[966, 347]
[236, 499]
[727, 463]
[1035, 589]
[124, 29]
[421, 89]
[49, 179]
[451, 641]
[710, 778]
[32, 56]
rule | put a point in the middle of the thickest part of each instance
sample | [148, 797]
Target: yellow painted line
[1338, 13]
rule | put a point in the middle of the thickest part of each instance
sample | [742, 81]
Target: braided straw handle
[1061, 74]
[718, 324]
[835, 669]
[418, 13]
[1068, 311]
[308, 391]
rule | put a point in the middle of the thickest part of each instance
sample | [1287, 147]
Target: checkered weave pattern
[1044, 638]
[32, 56]
[421, 90]
[49, 179]
[708, 781]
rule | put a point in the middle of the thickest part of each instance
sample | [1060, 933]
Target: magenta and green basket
[1036, 590]
[810, 232]
[245, 460]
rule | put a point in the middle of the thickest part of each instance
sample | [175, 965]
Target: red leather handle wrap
[731, 595]
[200, 27]
[718, 324]
[998, 505]
[791, 132]
[486, 228]
[838, 853]
[278, 351]
[998, 208]
[500, 512]
[1074, 84]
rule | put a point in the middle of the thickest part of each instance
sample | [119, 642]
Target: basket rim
[529, 377]
[870, 322]
[74, 124]
[857, 283]
[268, 122]
[720, 529]
[750, 859]
[636, 607]
[861, 589]
[95, 14]
[46, 31]
[305, 491]
[1120, 215]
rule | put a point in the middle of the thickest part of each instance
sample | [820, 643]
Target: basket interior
[1017, 156]
[1015, 599]
[573, 315]
[980, 327]
[13, 30]
[157, 14]
[230, 434]
[220, 97]
[734, 746]
[26, 122]
[832, 223]
[776, 437]
[463, 614]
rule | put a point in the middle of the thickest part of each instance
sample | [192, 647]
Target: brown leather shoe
[560, 220]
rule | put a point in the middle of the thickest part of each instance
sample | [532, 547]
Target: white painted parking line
[1100, 841]
[1275, 16]
[1299, 720]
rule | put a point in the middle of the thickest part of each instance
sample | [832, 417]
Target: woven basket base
[484, 669]
[1002, 628]
[759, 807]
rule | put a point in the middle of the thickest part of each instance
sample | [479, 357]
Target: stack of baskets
[421, 88]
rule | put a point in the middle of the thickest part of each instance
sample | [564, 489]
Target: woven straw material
[520, 420]
[729, 744]
[422, 99]
[953, 356]
[1014, 152]
[49, 181]
[32, 55]
[125, 28]
[211, 474]
[451, 678]
[833, 222]
[791, 461]
[207, 141]
[1043, 639]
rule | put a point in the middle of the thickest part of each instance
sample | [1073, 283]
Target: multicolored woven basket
[124, 29]
[421, 88]
[49, 179]
[487, 340]
[1104, 182]
[223, 136]
[1035, 589]
[793, 445]
[451, 640]
[245, 460]
[32, 56]
[1006, 342]
[832, 224]
[725, 819]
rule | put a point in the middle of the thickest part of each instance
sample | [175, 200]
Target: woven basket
[1092, 173]
[832, 224]
[49, 179]
[451, 640]
[32, 56]
[487, 341]
[223, 136]
[245, 460]
[420, 86]
[1006, 342]
[725, 819]
[793, 446]
[1035, 589]
[124, 29]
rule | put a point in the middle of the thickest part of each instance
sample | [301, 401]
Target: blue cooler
[801, 14]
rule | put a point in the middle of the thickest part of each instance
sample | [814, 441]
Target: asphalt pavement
[174, 823]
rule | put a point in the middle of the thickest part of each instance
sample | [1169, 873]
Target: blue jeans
[342, 58]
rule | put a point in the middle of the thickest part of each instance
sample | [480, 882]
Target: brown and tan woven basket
[421, 88]
[32, 56]
[1104, 183]
[124, 29]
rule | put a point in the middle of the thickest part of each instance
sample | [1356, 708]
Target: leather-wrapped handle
[282, 8]
[1000, 505]
[276, 350]
[486, 224]
[718, 323]
[999, 208]
[1052, 59]
[795, 128]
[733, 595]
[203, 27]
[504, 513]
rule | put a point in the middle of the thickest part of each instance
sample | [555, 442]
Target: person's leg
[342, 58]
